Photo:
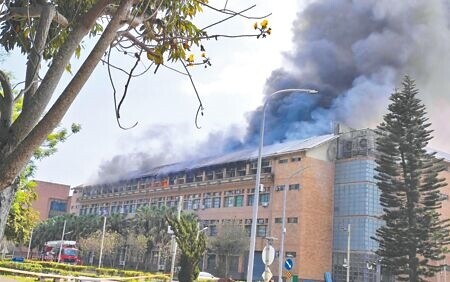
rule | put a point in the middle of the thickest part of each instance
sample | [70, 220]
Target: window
[233, 262]
[216, 202]
[228, 202]
[294, 187]
[190, 178]
[280, 188]
[283, 161]
[239, 201]
[250, 200]
[292, 220]
[248, 230]
[211, 262]
[231, 172]
[267, 169]
[296, 159]
[199, 177]
[207, 203]
[59, 207]
[264, 199]
[291, 254]
[219, 174]
[261, 230]
[212, 229]
[196, 204]
[278, 220]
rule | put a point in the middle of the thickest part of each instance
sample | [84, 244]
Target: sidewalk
[7, 279]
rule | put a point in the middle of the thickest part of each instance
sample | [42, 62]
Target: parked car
[202, 276]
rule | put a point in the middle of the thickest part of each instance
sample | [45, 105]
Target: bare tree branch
[231, 12]
[227, 18]
[34, 12]
[35, 56]
[200, 106]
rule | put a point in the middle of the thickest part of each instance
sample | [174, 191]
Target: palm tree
[151, 222]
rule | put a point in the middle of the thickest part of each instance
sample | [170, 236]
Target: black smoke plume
[355, 53]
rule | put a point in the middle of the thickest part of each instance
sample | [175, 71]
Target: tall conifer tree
[414, 236]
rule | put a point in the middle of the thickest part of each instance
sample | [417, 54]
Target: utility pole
[62, 241]
[101, 245]
[174, 242]
[29, 244]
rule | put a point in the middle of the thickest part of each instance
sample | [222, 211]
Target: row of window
[289, 220]
[286, 160]
[240, 169]
[226, 199]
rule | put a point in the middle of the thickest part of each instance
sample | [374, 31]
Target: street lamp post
[251, 255]
[101, 245]
[198, 234]
[62, 240]
[200, 231]
[174, 241]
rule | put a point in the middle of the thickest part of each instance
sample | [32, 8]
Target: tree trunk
[6, 198]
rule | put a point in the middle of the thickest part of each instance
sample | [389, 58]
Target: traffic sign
[288, 264]
[268, 255]
[288, 274]
[267, 274]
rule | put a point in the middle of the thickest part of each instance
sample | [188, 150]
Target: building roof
[241, 155]
[442, 155]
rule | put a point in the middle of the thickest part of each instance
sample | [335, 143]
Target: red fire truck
[69, 251]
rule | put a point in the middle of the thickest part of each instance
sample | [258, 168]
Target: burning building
[353, 53]
[330, 184]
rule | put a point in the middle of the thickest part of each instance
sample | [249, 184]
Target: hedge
[76, 270]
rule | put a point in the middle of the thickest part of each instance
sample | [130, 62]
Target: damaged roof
[241, 155]
[441, 155]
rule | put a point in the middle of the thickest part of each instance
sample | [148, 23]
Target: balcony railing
[252, 177]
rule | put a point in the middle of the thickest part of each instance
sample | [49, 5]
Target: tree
[22, 217]
[137, 244]
[91, 244]
[151, 222]
[53, 32]
[78, 226]
[232, 240]
[192, 244]
[414, 235]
